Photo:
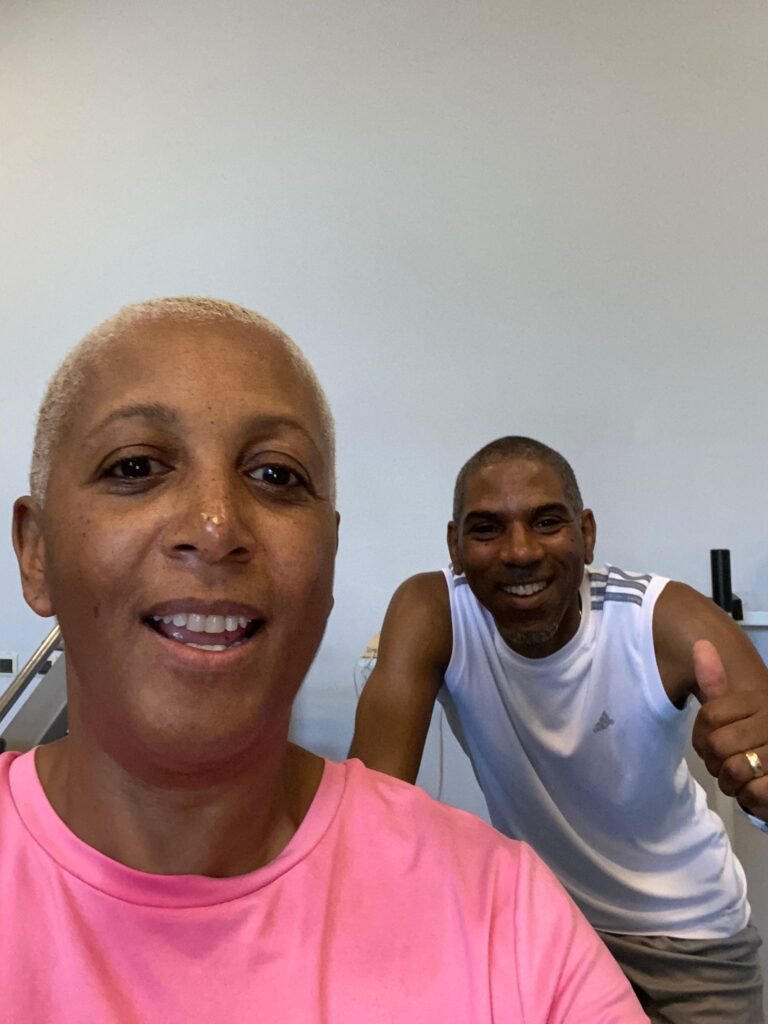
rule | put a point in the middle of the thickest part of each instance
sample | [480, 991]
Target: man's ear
[29, 546]
[453, 549]
[589, 534]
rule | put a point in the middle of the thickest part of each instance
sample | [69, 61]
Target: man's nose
[521, 545]
[211, 525]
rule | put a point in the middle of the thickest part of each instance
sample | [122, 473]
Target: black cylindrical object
[720, 562]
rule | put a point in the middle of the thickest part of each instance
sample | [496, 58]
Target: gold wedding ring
[755, 764]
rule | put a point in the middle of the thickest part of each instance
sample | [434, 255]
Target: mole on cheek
[96, 611]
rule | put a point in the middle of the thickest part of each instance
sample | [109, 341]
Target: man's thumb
[709, 671]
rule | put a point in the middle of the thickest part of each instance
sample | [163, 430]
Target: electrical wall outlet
[9, 664]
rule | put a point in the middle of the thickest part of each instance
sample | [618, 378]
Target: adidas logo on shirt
[603, 722]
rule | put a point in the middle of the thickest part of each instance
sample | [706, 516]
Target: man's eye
[549, 524]
[135, 467]
[277, 476]
[483, 528]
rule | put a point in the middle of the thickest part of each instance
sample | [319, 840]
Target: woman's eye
[277, 476]
[135, 467]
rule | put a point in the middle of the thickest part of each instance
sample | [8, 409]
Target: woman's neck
[221, 822]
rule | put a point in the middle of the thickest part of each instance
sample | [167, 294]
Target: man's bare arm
[681, 617]
[395, 708]
[701, 650]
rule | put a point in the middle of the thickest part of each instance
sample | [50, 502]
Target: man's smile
[524, 589]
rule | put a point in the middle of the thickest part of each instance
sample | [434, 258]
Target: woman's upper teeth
[204, 623]
[525, 589]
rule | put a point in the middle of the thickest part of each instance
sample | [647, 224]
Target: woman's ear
[29, 545]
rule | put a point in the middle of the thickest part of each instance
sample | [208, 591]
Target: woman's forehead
[203, 369]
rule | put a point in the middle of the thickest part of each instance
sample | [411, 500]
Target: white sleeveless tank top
[580, 754]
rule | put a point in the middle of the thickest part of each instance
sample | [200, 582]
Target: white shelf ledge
[754, 620]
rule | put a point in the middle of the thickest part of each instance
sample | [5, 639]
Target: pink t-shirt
[385, 908]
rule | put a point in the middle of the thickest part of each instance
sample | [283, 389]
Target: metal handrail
[52, 642]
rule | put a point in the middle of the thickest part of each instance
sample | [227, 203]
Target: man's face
[187, 543]
[523, 550]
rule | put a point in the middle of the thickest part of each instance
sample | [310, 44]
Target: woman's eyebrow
[162, 415]
[152, 412]
[276, 423]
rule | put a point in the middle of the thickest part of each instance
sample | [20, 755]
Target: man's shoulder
[612, 589]
[428, 587]
[419, 618]
[611, 576]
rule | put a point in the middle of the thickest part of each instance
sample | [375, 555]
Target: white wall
[476, 217]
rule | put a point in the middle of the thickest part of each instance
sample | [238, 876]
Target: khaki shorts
[693, 981]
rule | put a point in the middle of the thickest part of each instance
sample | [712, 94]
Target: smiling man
[175, 860]
[568, 689]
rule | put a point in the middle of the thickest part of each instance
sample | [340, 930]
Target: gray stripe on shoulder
[613, 571]
[600, 585]
[616, 585]
[619, 598]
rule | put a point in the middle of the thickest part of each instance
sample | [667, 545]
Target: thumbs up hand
[709, 670]
[730, 733]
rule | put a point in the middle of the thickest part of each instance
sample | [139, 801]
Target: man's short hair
[515, 447]
[66, 385]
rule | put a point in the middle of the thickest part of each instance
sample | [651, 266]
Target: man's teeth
[526, 589]
[205, 623]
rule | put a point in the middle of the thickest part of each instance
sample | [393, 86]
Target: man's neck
[218, 826]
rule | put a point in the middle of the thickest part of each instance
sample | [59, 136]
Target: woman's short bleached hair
[67, 383]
